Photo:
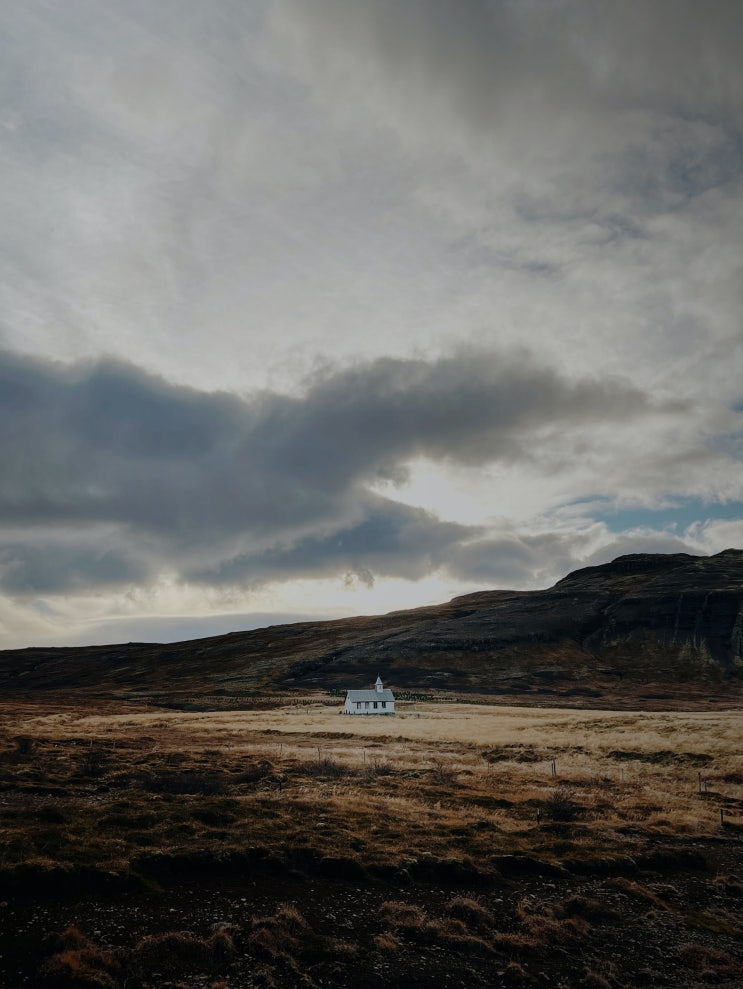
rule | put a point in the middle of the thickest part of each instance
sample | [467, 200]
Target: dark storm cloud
[110, 474]
[391, 540]
[63, 563]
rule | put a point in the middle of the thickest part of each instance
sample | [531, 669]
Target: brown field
[454, 844]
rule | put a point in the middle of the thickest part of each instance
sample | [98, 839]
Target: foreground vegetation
[456, 844]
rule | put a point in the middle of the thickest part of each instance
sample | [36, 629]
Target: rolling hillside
[643, 626]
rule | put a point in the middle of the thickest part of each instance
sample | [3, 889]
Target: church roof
[370, 695]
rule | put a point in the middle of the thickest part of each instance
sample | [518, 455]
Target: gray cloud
[225, 193]
[391, 540]
[170, 174]
[494, 64]
[554, 128]
[522, 559]
[519, 559]
[115, 474]
[63, 562]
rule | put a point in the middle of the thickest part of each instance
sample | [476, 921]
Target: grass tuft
[472, 913]
[710, 963]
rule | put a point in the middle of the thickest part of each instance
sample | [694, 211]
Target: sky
[312, 309]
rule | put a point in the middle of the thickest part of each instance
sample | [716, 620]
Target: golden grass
[443, 781]
[412, 781]
[477, 724]
[467, 797]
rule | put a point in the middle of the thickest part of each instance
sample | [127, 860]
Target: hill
[643, 628]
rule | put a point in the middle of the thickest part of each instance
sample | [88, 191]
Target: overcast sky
[328, 307]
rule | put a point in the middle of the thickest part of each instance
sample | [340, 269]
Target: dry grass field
[454, 844]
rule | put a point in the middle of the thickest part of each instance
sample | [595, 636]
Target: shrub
[732, 777]
[377, 768]
[254, 773]
[513, 753]
[24, 745]
[442, 774]
[331, 769]
[93, 762]
[560, 805]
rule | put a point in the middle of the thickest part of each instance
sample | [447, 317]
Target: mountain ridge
[670, 619]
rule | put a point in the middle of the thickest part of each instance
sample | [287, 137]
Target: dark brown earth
[652, 927]
[644, 630]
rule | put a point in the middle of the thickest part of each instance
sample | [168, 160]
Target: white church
[381, 700]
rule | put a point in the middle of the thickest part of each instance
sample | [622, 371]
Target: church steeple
[379, 685]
